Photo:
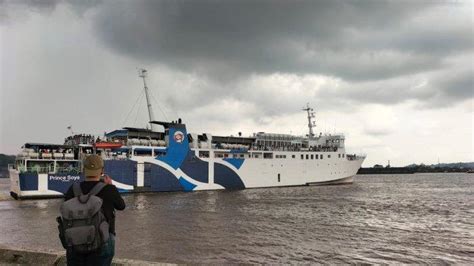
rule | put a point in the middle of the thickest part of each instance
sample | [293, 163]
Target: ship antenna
[311, 123]
[143, 74]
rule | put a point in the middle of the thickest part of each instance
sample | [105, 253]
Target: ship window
[322, 157]
[226, 155]
[329, 155]
[142, 152]
[339, 155]
[307, 156]
[312, 157]
[293, 156]
[317, 156]
[203, 154]
[268, 155]
[278, 177]
[302, 156]
[343, 155]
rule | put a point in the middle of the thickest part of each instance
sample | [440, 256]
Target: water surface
[420, 218]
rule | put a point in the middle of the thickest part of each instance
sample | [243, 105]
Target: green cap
[93, 165]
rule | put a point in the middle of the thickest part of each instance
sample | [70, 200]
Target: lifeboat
[107, 145]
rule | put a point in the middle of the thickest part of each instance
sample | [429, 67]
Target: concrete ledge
[5, 196]
[12, 256]
[18, 256]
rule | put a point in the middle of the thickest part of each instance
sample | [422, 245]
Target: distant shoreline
[411, 170]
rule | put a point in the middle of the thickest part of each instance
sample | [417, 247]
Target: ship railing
[116, 157]
[49, 169]
[68, 169]
[298, 149]
[36, 169]
[45, 156]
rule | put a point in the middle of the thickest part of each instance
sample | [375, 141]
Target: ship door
[147, 175]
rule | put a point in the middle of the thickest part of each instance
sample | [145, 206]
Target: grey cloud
[441, 88]
[225, 40]
[15, 9]
[358, 41]
[458, 84]
[377, 49]
[32, 4]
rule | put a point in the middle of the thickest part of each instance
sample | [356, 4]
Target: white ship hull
[260, 172]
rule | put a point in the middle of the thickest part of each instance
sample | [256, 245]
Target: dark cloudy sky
[396, 77]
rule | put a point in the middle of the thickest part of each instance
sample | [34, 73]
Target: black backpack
[83, 227]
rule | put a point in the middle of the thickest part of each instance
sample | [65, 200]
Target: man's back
[111, 200]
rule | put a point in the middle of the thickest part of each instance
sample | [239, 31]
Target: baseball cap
[93, 165]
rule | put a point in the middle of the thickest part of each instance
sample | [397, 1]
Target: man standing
[111, 201]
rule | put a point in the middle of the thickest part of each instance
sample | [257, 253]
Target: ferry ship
[171, 159]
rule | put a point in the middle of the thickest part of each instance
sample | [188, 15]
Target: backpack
[83, 227]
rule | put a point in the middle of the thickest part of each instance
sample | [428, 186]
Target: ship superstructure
[171, 159]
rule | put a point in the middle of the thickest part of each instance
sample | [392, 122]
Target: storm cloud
[371, 45]
[354, 40]
[260, 61]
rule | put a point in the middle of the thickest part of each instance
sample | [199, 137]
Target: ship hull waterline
[148, 174]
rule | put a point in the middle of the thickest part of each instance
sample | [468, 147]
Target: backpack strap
[97, 188]
[76, 188]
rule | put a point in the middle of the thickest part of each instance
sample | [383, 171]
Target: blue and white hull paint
[33, 185]
[180, 167]
[216, 173]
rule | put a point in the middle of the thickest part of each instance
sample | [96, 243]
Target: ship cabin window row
[266, 155]
[312, 156]
[226, 155]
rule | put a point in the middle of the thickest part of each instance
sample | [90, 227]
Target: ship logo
[178, 136]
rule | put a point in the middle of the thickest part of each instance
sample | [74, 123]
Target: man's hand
[107, 179]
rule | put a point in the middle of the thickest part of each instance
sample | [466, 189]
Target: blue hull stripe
[28, 181]
[226, 177]
[62, 182]
[196, 168]
[186, 185]
[162, 180]
[123, 171]
[237, 162]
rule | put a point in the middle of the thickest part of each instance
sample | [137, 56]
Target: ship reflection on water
[419, 218]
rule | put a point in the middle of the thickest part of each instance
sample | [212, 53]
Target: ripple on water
[409, 219]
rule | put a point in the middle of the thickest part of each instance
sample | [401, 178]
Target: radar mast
[311, 123]
[143, 74]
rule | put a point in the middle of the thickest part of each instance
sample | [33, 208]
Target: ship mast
[143, 73]
[311, 123]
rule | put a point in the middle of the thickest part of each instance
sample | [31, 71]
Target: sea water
[418, 218]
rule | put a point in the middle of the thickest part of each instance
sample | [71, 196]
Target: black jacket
[111, 200]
